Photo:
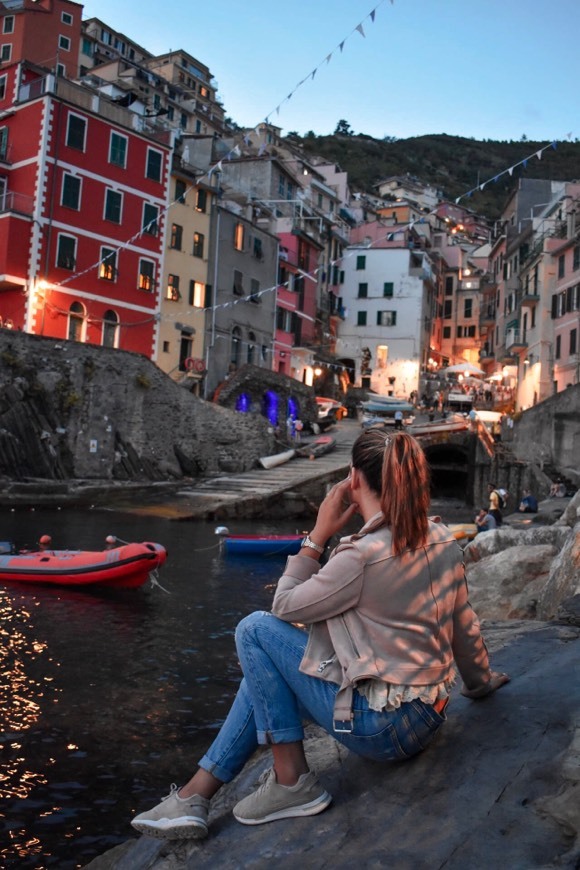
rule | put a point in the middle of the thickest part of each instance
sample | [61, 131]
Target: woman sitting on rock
[388, 616]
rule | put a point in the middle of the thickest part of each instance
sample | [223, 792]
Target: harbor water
[107, 697]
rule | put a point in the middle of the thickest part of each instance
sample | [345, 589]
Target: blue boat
[261, 545]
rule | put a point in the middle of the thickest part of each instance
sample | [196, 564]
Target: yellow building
[186, 289]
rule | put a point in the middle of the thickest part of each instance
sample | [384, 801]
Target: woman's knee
[248, 624]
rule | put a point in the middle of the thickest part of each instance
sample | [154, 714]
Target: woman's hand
[496, 681]
[334, 512]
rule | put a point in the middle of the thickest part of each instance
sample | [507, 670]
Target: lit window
[173, 293]
[146, 275]
[386, 318]
[198, 244]
[176, 236]
[239, 237]
[108, 264]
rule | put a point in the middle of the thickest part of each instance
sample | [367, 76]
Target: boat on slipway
[125, 566]
[311, 449]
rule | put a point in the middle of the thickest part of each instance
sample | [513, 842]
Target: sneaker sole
[161, 830]
[310, 809]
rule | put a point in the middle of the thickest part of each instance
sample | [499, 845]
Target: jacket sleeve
[306, 595]
[469, 649]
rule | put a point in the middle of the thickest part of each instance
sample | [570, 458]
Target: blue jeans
[275, 698]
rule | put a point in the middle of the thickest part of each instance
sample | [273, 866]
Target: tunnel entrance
[450, 472]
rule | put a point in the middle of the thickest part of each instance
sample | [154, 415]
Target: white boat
[277, 459]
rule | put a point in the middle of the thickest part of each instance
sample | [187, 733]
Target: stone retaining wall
[76, 411]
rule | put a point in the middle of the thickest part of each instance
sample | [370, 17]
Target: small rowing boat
[126, 566]
[261, 545]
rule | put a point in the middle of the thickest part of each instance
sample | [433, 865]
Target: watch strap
[308, 543]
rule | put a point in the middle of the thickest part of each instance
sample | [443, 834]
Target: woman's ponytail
[396, 469]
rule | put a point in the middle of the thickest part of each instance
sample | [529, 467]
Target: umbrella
[465, 369]
[472, 382]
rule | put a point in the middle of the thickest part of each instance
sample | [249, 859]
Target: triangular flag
[539, 154]
[277, 110]
[289, 97]
[496, 178]
[373, 13]
[359, 27]
[554, 144]
[341, 46]
[218, 167]
[457, 200]
[247, 140]
[313, 73]
[261, 150]
[236, 150]
[511, 170]
[481, 186]
[328, 56]
[525, 163]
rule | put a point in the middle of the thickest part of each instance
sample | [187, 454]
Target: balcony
[486, 353]
[528, 297]
[487, 315]
[16, 202]
[514, 342]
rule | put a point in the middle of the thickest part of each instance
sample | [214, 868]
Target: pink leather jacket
[400, 619]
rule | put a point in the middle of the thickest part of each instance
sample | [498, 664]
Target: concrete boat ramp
[292, 489]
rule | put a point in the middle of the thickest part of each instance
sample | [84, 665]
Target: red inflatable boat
[124, 566]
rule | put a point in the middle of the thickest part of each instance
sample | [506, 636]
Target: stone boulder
[572, 513]
[564, 578]
[508, 584]
[489, 543]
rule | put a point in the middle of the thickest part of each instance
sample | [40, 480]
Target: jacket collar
[375, 522]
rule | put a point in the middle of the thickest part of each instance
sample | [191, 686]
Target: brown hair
[396, 469]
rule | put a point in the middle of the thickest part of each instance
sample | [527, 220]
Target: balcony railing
[17, 202]
[513, 339]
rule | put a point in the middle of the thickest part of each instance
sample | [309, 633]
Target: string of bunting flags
[510, 170]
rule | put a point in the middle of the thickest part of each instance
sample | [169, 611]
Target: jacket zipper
[323, 665]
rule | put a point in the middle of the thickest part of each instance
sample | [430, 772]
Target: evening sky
[495, 69]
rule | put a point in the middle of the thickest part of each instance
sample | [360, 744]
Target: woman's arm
[304, 596]
[470, 652]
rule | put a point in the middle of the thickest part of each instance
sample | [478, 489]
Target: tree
[343, 129]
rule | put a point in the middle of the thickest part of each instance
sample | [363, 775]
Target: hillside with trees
[452, 164]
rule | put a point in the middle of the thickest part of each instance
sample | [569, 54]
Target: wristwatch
[308, 543]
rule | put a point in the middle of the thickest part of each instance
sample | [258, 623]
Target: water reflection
[108, 696]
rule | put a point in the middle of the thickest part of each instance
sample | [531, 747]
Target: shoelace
[173, 789]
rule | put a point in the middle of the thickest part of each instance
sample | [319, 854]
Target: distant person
[389, 623]
[529, 503]
[398, 419]
[496, 431]
[484, 521]
[558, 489]
[495, 504]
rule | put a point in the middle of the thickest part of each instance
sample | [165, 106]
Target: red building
[46, 32]
[82, 213]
